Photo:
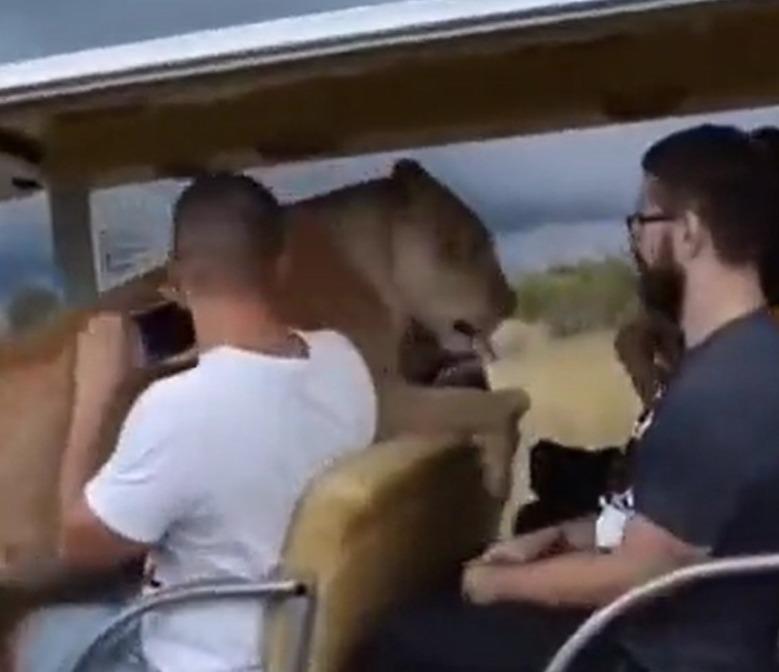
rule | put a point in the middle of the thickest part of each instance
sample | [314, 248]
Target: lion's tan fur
[340, 276]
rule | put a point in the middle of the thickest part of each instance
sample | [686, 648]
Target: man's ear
[693, 236]
[170, 288]
[283, 266]
[170, 293]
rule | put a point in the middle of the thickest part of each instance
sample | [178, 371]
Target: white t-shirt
[208, 469]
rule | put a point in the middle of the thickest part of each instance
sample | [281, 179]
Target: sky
[550, 199]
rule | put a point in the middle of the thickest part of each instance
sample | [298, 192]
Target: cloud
[558, 244]
[578, 175]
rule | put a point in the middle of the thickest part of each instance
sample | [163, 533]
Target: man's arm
[579, 533]
[684, 457]
[88, 543]
[585, 578]
[522, 548]
[103, 396]
[575, 534]
[92, 557]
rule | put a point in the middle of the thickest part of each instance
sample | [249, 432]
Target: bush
[576, 298]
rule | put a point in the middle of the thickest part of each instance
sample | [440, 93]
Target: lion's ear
[408, 170]
[410, 180]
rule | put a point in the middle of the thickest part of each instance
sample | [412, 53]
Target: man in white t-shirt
[211, 462]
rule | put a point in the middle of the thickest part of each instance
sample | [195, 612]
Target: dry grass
[577, 298]
[579, 393]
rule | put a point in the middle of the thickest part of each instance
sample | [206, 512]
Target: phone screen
[165, 331]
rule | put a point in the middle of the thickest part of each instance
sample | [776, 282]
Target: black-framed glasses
[637, 219]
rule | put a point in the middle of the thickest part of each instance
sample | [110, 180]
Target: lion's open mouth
[427, 359]
[465, 367]
[480, 344]
[467, 371]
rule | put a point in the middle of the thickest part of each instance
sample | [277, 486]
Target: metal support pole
[74, 249]
[198, 593]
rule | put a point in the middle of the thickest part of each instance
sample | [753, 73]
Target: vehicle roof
[286, 39]
[382, 77]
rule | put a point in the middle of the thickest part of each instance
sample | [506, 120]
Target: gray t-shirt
[707, 470]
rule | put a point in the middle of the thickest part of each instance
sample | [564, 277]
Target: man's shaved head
[228, 233]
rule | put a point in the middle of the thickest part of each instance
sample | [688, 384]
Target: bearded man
[705, 466]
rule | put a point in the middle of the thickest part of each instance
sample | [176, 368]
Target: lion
[383, 256]
[369, 260]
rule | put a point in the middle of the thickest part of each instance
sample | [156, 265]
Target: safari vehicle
[377, 529]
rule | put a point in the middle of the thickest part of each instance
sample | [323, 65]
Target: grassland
[577, 298]
[559, 348]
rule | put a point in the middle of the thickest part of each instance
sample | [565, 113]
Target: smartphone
[166, 330]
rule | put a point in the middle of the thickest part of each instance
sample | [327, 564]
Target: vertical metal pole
[74, 248]
[301, 661]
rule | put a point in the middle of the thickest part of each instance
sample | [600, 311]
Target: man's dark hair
[768, 138]
[728, 179]
[234, 205]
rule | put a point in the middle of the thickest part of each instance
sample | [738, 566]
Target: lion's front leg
[497, 455]
[490, 418]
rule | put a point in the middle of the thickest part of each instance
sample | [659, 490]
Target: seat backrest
[374, 530]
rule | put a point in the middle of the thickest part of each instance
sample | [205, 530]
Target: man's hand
[523, 548]
[584, 578]
[479, 584]
[479, 581]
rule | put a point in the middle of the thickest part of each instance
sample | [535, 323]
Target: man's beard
[662, 286]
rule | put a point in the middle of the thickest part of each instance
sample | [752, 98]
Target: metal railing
[660, 587]
[267, 591]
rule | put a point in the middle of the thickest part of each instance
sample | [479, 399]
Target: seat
[377, 529]
[373, 530]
